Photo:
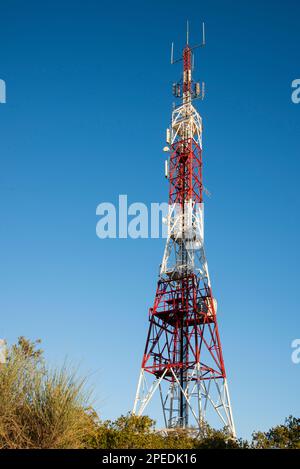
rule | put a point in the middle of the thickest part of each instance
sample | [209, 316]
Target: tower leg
[230, 416]
[138, 391]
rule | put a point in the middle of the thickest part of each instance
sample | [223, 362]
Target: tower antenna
[172, 53]
[203, 34]
[183, 357]
[187, 32]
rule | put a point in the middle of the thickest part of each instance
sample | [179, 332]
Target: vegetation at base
[132, 432]
[42, 407]
[285, 436]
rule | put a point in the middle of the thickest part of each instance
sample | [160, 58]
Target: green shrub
[285, 436]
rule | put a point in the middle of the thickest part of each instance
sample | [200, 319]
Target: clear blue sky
[88, 101]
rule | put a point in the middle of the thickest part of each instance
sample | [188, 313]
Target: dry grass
[40, 407]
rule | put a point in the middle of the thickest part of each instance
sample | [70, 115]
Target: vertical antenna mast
[183, 356]
[187, 32]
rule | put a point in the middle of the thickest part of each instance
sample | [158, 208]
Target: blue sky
[88, 102]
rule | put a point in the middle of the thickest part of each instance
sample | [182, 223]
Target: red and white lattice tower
[183, 359]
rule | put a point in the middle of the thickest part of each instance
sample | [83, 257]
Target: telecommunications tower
[183, 359]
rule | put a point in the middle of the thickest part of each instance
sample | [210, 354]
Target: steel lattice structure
[183, 358]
